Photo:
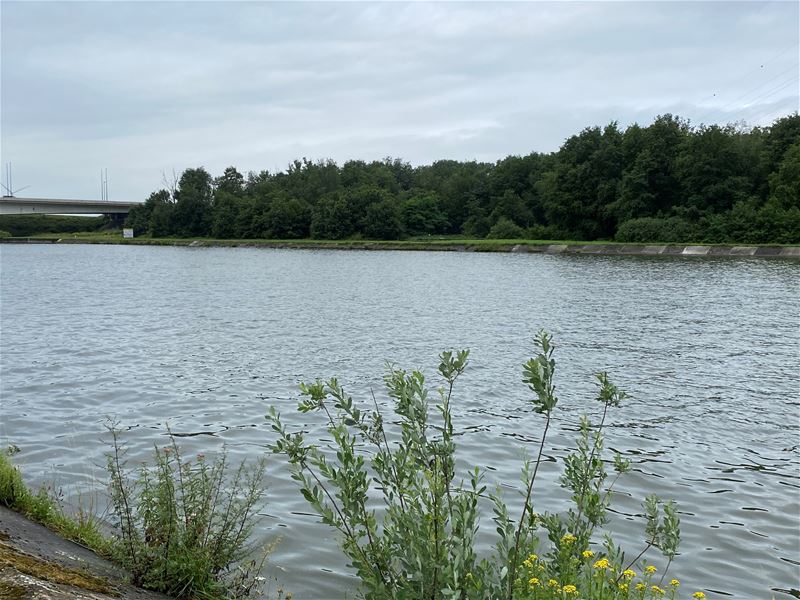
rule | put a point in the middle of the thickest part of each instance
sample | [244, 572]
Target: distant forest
[667, 182]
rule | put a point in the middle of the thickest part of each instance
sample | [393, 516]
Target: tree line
[666, 182]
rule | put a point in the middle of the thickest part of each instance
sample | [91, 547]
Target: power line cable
[793, 46]
[774, 91]
[721, 109]
[771, 92]
[769, 110]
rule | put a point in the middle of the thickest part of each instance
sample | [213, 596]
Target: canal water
[206, 339]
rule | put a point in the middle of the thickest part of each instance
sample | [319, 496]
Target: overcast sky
[142, 88]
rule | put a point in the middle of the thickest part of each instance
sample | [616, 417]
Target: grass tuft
[42, 508]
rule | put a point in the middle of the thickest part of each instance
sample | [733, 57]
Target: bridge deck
[10, 205]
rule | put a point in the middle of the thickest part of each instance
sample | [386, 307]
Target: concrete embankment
[35, 563]
[663, 249]
[446, 246]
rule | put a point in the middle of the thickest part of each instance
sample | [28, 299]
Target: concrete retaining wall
[673, 250]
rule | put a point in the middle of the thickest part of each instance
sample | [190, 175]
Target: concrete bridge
[11, 205]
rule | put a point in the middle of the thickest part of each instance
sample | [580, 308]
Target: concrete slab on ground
[29, 543]
[696, 250]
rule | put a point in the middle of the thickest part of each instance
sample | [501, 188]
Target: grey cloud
[143, 86]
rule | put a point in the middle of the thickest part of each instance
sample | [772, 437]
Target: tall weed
[184, 523]
[418, 541]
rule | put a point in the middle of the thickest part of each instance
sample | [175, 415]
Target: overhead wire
[793, 46]
[773, 109]
[720, 110]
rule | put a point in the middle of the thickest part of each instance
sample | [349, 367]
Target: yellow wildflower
[629, 573]
[528, 562]
[568, 539]
[650, 569]
[602, 564]
[640, 586]
[623, 587]
[698, 595]
[552, 583]
[569, 589]
[657, 590]
[533, 582]
[588, 554]
[674, 583]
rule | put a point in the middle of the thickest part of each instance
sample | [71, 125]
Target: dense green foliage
[667, 182]
[408, 516]
[25, 225]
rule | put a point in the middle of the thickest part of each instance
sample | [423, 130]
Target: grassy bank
[40, 507]
[477, 245]
[452, 244]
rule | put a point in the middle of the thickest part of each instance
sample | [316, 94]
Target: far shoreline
[512, 246]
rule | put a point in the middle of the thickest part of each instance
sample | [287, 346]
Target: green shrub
[5, 234]
[13, 491]
[422, 543]
[648, 230]
[505, 229]
[748, 223]
[545, 232]
[184, 524]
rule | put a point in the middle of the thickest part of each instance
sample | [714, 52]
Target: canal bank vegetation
[422, 542]
[408, 517]
[667, 182]
[180, 526]
[44, 507]
[184, 524]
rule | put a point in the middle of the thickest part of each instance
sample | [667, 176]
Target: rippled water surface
[206, 339]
